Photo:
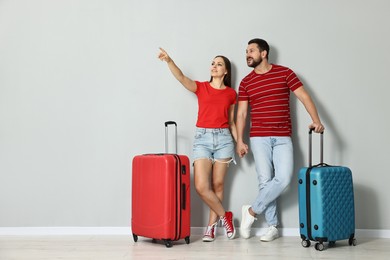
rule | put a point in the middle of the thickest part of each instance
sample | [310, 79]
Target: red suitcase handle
[167, 123]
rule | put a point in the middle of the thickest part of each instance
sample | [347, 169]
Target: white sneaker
[246, 222]
[271, 234]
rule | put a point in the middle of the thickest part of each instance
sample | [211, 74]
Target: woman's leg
[202, 175]
[219, 172]
[217, 185]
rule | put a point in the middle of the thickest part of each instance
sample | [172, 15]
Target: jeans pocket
[199, 134]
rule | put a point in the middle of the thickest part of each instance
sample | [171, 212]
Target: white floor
[123, 247]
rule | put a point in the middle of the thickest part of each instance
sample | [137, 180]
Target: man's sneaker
[209, 235]
[246, 222]
[271, 234]
[227, 222]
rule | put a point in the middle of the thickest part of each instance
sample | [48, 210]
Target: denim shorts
[214, 144]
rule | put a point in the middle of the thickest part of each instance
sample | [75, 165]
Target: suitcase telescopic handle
[321, 147]
[167, 123]
[170, 123]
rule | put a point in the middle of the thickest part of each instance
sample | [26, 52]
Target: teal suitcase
[326, 203]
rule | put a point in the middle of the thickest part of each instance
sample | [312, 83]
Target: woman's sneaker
[227, 222]
[209, 235]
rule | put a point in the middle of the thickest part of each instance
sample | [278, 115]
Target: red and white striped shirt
[268, 96]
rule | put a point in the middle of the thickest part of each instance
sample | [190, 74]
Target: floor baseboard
[44, 231]
[292, 232]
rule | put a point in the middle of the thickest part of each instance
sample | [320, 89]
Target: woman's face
[218, 67]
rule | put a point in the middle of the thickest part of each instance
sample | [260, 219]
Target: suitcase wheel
[187, 239]
[135, 237]
[168, 243]
[305, 243]
[319, 246]
[352, 242]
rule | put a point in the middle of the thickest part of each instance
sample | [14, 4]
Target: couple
[266, 89]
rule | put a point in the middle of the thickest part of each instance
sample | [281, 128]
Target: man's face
[253, 55]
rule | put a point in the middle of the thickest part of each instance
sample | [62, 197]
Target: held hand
[163, 55]
[318, 127]
[242, 149]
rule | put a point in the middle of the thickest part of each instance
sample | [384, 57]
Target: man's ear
[264, 54]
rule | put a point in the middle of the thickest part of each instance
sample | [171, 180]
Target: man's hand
[317, 127]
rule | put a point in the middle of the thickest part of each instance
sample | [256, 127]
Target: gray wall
[82, 92]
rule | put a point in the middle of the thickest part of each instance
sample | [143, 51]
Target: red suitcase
[161, 195]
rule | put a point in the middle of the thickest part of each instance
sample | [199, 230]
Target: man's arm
[306, 100]
[242, 112]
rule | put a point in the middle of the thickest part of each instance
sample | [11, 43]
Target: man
[266, 90]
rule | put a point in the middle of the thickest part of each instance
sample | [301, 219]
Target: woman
[213, 148]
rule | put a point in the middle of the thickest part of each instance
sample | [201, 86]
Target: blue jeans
[274, 167]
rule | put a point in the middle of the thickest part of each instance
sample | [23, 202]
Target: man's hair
[261, 44]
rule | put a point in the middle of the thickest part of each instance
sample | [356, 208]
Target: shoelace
[210, 230]
[227, 224]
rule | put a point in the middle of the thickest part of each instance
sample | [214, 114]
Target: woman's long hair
[227, 79]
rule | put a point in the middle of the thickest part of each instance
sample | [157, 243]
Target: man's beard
[255, 63]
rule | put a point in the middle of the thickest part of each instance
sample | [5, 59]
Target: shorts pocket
[198, 135]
